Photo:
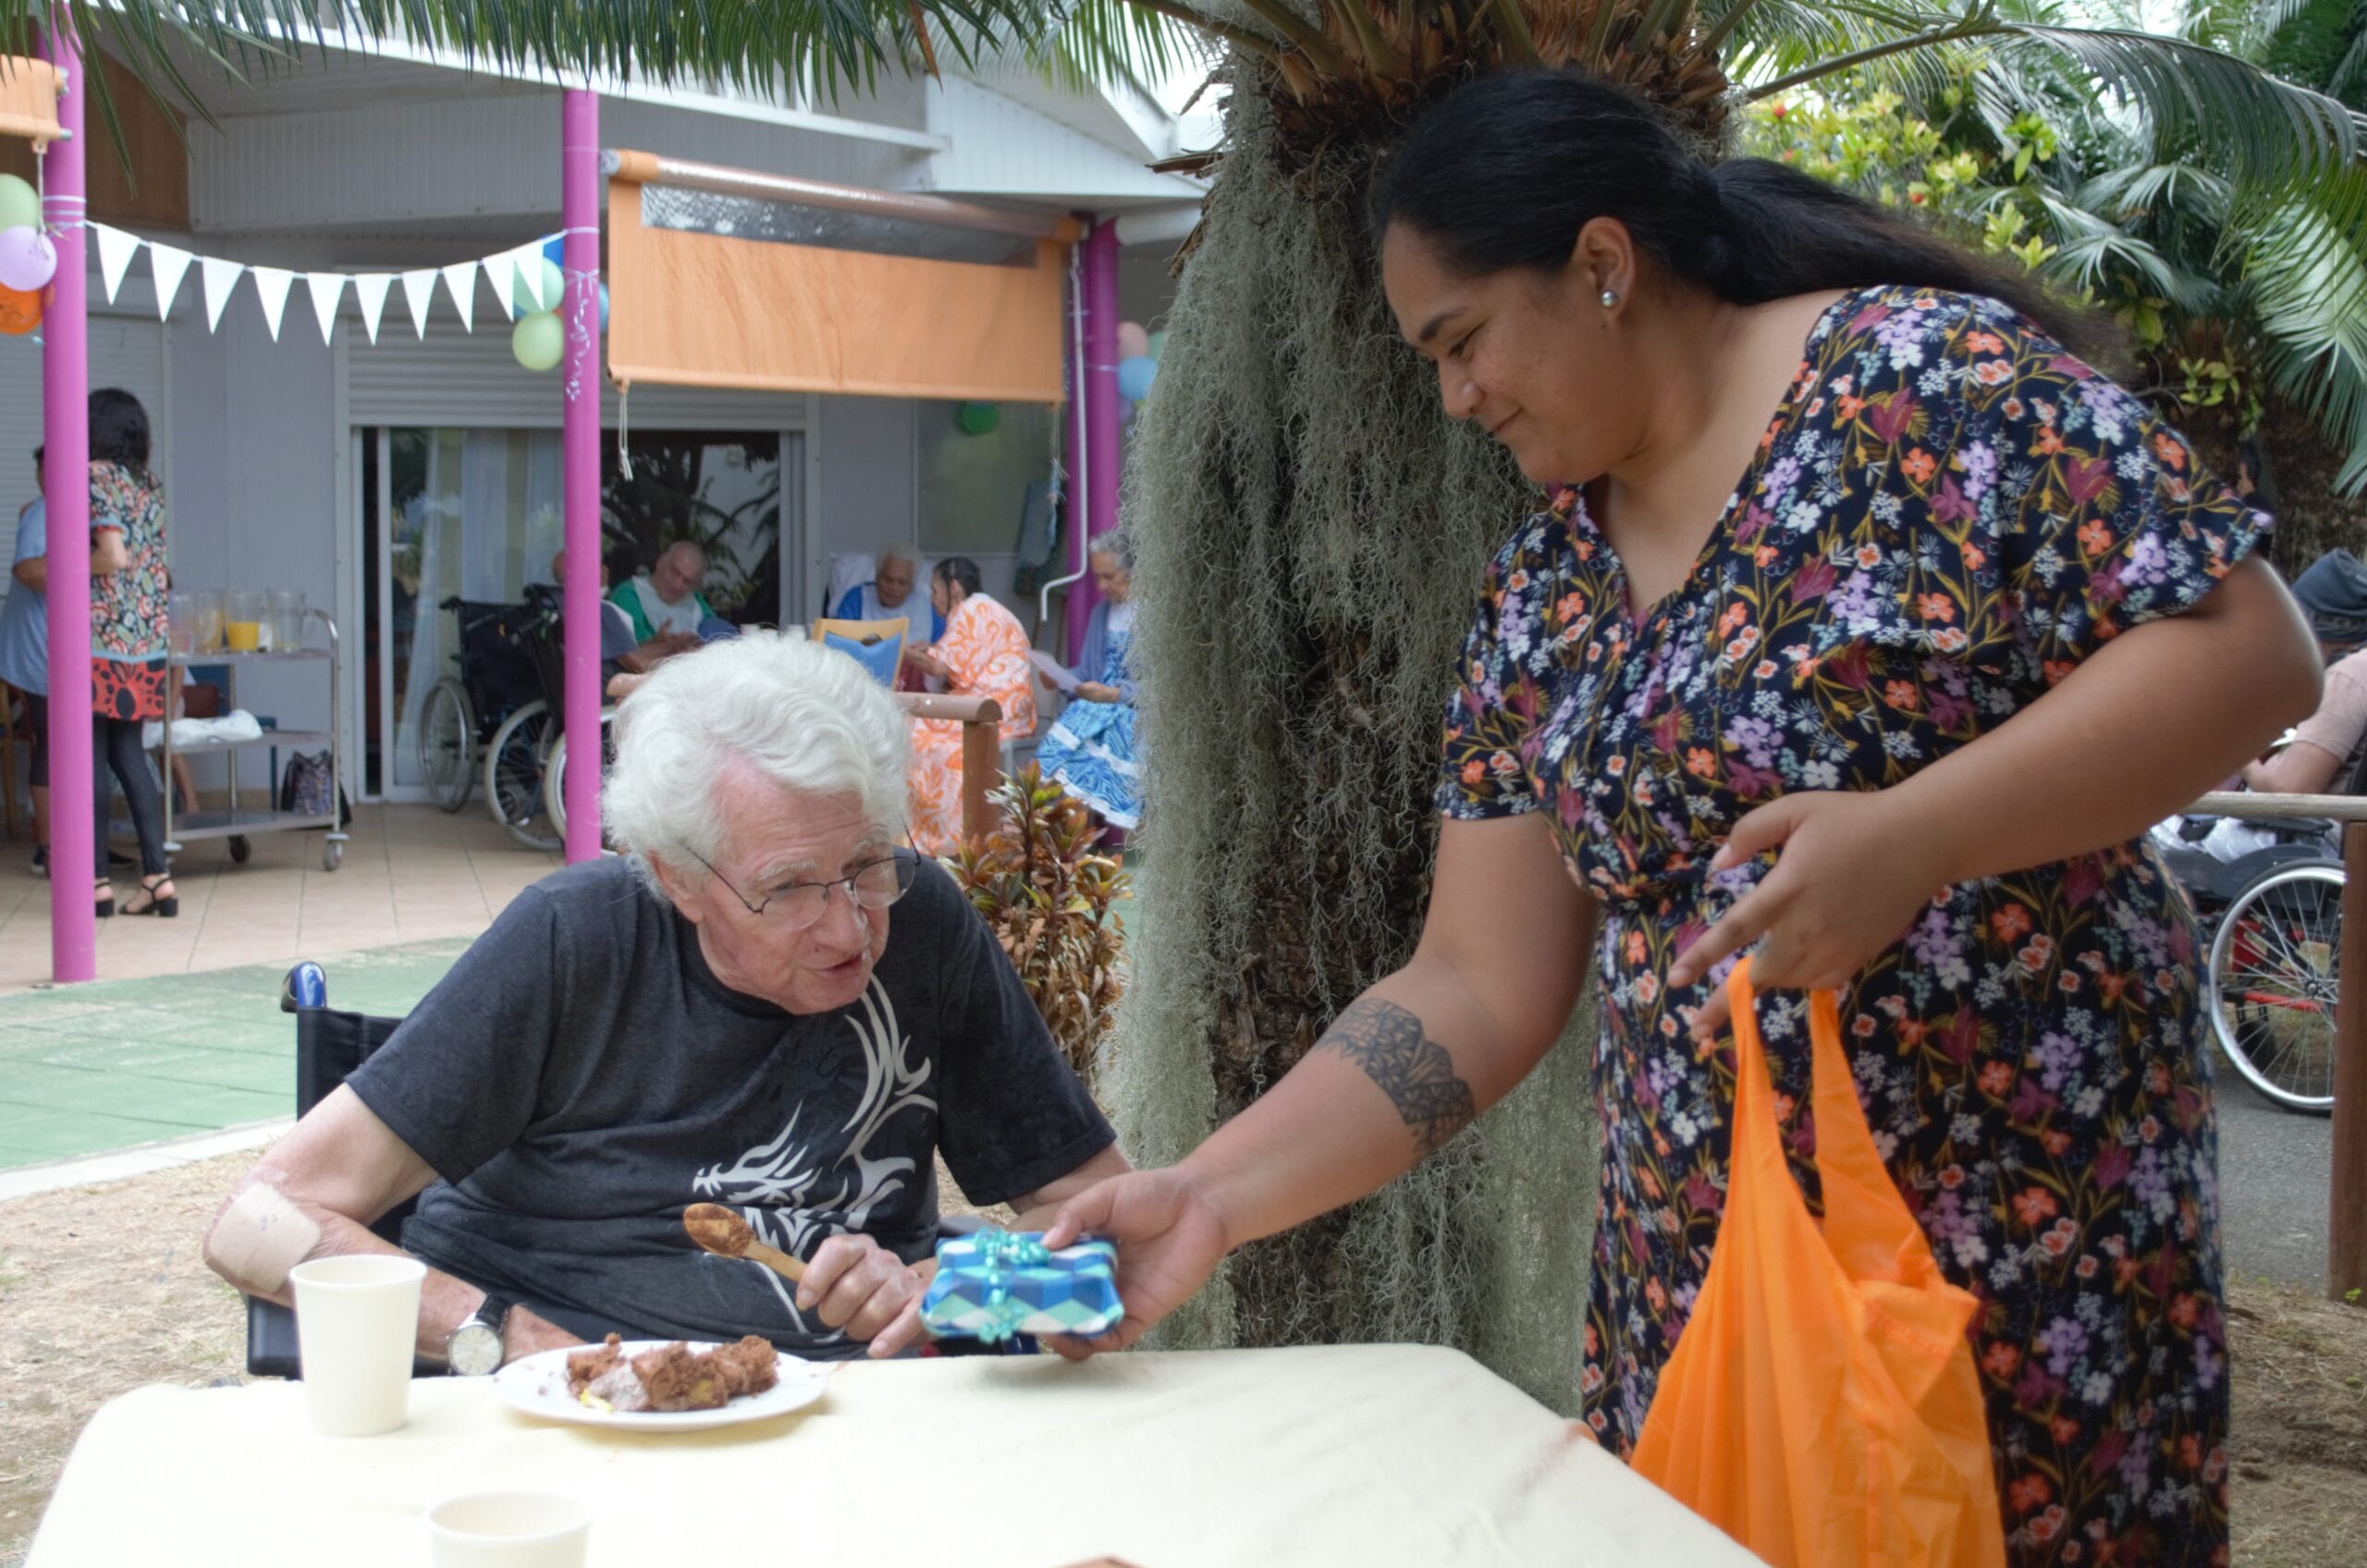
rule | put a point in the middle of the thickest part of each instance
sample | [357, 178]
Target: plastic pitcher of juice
[243, 626]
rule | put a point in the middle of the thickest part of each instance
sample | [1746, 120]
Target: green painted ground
[117, 1063]
[110, 1065]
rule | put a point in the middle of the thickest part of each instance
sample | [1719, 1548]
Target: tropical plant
[1047, 893]
[1310, 526]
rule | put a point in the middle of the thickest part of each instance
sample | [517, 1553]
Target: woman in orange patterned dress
[983, 654]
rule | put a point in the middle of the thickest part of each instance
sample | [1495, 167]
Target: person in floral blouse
[983, 654]
[127, 606]
[1866, 627]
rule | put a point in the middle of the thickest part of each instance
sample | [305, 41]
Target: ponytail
[1507, 170]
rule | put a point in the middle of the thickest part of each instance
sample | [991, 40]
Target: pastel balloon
[1134, 376]
[1159, 344]
[27, 258]
[1133, 343]
[538, 340]
[19, 203]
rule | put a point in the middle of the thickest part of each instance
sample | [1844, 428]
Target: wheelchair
[493, 722]
[2273, 917]
[330, 1046]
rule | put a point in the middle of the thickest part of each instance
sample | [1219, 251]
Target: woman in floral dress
[128, 638]
[983, 654]
[1891, 710]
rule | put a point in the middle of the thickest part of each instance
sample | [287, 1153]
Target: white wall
[254, 493]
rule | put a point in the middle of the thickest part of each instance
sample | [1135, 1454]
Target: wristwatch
[475, 1348]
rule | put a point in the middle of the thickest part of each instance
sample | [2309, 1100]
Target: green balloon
[978, 419]
[538, 340]
[1157, 343]
[19, 203]
[541, 287]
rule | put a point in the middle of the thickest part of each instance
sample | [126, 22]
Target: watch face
[475, 1349]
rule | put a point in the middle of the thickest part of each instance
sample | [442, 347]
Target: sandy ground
[101, 1290]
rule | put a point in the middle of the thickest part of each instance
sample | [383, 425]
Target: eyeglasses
[875, 884]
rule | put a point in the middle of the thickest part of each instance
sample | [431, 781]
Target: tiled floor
[410, 873]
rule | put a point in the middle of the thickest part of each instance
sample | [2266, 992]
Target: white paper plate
[536, 1385]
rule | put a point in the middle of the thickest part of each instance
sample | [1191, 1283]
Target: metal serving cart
[237, 822]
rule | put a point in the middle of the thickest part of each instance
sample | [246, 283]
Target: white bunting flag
[460, 277]
[115, 250]
[168, 264]
[529, 278]
[419, 289]
[328, 290]
[502, 272]
[270, 286]
[220, 277]
[369, 287]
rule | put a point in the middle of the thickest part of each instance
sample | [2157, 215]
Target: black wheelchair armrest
[271, 1340]
[271, 1345]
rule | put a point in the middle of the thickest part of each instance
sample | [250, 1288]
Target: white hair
[807, 718]
[903, 553]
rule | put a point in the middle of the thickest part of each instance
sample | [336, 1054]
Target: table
[1360, 1454]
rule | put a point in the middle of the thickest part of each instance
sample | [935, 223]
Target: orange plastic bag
[1822, 1406]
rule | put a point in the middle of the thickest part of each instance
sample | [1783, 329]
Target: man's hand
[1169, 1240]
[1854, 872]
[1094, 691]
[856, 1285]
[523, 1334]
[923, 658]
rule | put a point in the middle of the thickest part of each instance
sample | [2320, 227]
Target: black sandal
[104, 907]
[167, 907]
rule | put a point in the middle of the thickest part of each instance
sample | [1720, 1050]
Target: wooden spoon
[724, 1233]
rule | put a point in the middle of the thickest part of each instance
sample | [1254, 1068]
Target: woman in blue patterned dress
[1892, 709]
[1090, 749]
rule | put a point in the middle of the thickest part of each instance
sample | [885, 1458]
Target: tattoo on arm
[1413, 1070]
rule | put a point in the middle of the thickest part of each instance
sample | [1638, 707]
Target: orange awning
[718, 277]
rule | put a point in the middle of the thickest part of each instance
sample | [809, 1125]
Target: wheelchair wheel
[555, 771]
[2275, 977]
[513, 775]
[447, 730]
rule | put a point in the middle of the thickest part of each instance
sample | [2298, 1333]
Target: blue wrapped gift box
[998, 1283]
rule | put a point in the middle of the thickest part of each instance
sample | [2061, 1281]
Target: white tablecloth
[1361, 1456]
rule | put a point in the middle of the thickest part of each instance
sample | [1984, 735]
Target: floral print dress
[1947, 515]
[984, 650]
[127, 607]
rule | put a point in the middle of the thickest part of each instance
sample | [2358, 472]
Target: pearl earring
[1610, 297]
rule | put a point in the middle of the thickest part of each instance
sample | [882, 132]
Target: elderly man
[623, 663]
[718, 1016]
[890, 593]
[668, 600]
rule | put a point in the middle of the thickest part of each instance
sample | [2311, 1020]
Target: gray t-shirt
[582, 1076]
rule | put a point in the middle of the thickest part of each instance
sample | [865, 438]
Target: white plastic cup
[356, 1320]
[509, 1529]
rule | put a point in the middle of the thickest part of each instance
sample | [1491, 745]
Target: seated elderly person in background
[668, 602]
[725, 1014]
[623, 662]
[887, 595]
[2325, 750]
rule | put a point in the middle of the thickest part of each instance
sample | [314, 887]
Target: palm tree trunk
[1311, 533]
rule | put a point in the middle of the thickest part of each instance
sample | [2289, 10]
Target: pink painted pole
[580, 458]
[66, 432]
[1100, 413]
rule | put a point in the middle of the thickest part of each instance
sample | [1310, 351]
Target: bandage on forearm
[260, 1237]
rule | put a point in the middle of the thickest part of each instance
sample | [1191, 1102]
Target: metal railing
[2347, 1180]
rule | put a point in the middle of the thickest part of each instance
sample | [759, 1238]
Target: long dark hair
[1507, 170]
[118, 430]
